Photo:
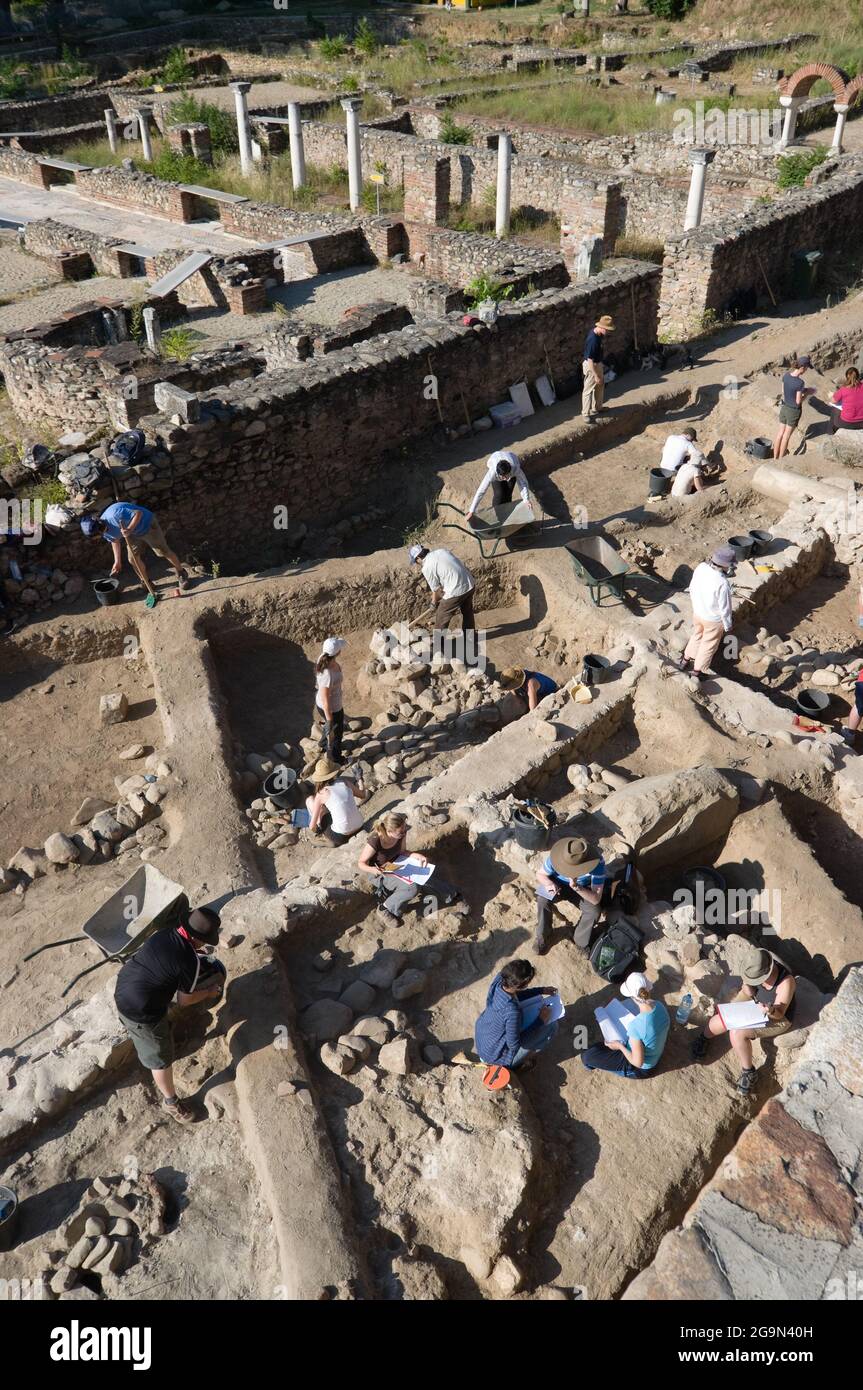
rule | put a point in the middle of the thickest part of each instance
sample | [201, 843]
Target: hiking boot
[698, 1047]
[685, 663]
[747, 1080]
[387, 918]
[179, 1110]
[540, 943]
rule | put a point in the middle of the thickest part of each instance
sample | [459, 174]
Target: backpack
[623, 886]
[128, 447]
[615, 953]
[83, 475]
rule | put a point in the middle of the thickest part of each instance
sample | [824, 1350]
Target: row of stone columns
[791, 106]
[142, 116]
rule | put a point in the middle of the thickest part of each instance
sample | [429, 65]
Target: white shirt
[331, 680]
[710, 593]
[441, 570]
[685, 478]
[677, 448]
[344, 812]
[491, 476]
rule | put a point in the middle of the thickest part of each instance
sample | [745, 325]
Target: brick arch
[801, 82]
[853, 90]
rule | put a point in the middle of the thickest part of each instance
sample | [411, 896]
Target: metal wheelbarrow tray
[142, 905]
[493, 523]
[598, 566]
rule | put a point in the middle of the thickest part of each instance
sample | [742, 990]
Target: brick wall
[127, 190]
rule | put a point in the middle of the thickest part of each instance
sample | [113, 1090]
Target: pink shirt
[851, 400]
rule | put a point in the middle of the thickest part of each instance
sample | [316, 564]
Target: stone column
[298, 158]
[351, 106]
[589, 259]
[504, 172]
[841, 109]
[143, 116]
[111, 123]
[699, 159]
[152, 329]
[239, 89]
[791, 106]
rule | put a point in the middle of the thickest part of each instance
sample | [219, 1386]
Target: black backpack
[616, 952]
[622, 888]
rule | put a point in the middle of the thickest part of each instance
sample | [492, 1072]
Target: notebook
[744, 1015]
[406, 867]
[530, 1008]
[612, 1020]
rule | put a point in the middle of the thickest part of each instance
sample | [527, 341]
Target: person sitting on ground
[171, 962]
[451, 583]
[849, 730]
[139, 528]
[388, 842]
[711, 596]
[679, 449]
[794, 393]
[529, 686]
[333, 808]
[503, 472]
[499, 1036]
[571, 872]
[850, 397]
[329, 704]
[769, 983]
[648, 1032]
[688, 479]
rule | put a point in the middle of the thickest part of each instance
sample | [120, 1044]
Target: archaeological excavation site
[517, 646]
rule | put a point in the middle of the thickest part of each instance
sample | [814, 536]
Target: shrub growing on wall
[222, 125]
[669, 9]
[794, 169]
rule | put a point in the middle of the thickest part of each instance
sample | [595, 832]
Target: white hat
[635, 982]
[333, 646]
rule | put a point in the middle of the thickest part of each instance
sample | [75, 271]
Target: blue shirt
[593, 347]
[546, 685]
[120, 514]
[790, 386]
[595, 879]
[651, 1029]
[499, 1026]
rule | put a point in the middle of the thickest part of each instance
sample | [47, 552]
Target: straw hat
[324, 770]
[512, 678]
[572, 857]
[605, 322]
[757, 966]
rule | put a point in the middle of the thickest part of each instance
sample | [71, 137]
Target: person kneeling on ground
[139, 528]
[503, 473]
[387, 842]
[173, 961]
[499, 1036]
[573, 873]
[529, 686]
[689, 478]
[711, 597]
[648, 1032]
[333, 809]
[769, 983]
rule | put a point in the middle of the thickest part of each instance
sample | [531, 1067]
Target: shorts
[858, 697]
[154, 538]
[153, 1042]
[790, 414]
[772, 1030]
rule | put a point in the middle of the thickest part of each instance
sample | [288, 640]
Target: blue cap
[90, 525]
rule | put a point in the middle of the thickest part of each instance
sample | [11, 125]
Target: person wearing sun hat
[594, 374]
[712, 616]
[648, 1031]
[333, 807]
[329, 705]
[529, 686]
[769, 983]
[571, 872]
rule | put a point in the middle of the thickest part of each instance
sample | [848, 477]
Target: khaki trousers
[591, 396]
[704, 643]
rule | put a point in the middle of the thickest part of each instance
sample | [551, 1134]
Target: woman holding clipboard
[768, 992]
[385, 853]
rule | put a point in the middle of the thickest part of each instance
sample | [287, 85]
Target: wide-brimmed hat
[573, 857]
[324, 770]
[757, 966]
[605, 322]
[512, 677]
[724, 557]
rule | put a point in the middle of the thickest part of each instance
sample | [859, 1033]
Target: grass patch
[794, 169]
[640, 249]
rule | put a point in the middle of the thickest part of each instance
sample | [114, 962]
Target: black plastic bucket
[813, 703]
[106, 591]
[9, 1222]
[595, 670]
[761, 542]
[704, 883]
[281, 786]
[742, 546]
[659, 482]
[528, 831]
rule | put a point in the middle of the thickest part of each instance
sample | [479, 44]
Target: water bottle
[684, 1009]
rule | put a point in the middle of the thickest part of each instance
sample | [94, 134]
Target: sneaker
[179, 1110]
[747, 1080]
[698, 1047]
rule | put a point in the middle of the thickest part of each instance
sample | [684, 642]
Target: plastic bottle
[684, 1009]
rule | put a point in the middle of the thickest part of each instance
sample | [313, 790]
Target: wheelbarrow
[492, 523]
[598, 566]
[145, 902]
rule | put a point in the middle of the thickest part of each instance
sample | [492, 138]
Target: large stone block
[669, 817]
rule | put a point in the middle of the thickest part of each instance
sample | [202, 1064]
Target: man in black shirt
[172, 962]
[594, 375]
